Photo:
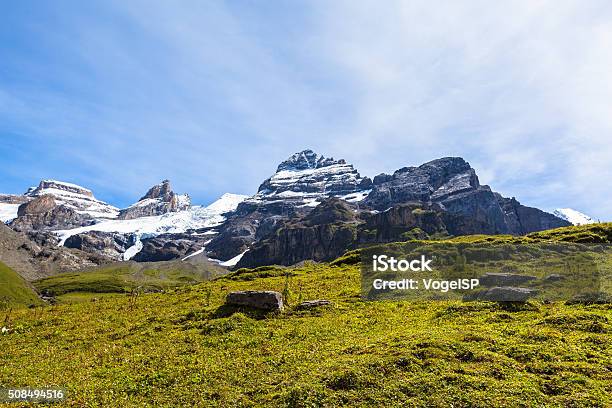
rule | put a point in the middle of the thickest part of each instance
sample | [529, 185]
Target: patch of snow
[234, 261]
[226, 203]
[198, 252]
[8, 212]
[573, 216]
[355, 197]
[133, 250]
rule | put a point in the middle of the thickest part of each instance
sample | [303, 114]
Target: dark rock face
[264, 300]
[403, 222]
[42, 214]
[322, 235]
[108, 244]
[167, 247]
[470, 208]
[524, 220]
[160, 199]
[292, 245]
[431, 181]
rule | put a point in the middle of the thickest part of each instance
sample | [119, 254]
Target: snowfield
[170, 223]
[573, 216]
[8, 212]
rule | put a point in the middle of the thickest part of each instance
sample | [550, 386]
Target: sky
[119, 95]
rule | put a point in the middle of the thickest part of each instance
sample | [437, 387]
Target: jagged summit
[307, 159]
[159, 199]
[307, 177]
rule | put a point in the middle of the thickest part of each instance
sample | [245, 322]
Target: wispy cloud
[118, 95]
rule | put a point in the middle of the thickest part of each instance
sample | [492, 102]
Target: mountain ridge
[442, 196]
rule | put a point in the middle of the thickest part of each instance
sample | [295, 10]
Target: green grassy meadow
[182, 347]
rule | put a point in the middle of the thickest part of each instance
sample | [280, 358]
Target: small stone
[311, 304]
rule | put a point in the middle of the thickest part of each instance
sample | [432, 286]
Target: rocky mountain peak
[162, 190]
[307, 176]
[306, 159]
[58, 187]
[159, 200]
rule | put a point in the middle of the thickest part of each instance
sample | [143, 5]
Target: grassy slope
[124, 277]
[177, 349]
[14, 291]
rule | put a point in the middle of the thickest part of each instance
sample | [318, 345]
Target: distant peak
[307, 159]
[162, 190]
[59, 185]
[573, 216]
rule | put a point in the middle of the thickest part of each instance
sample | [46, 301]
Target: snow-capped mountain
[75, 197]
[573, 216]
[306, 177]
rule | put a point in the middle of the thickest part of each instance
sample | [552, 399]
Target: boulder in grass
[312, 304]
[504, 279]
[258, 299]
[504, 294]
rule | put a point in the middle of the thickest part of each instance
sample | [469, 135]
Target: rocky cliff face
[159, 200]
[324, 234]
[43, 213]
[36, 255]
[441, 197]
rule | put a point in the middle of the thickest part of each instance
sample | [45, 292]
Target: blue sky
[118, 95]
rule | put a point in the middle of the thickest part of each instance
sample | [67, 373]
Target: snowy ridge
[174, 223]
[74, 197]
[573, 216]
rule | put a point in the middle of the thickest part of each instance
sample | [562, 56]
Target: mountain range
[312, 207]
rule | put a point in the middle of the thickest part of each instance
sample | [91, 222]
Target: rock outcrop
[37, 255]
[43, 213]
[109, 244]
[257, 299]
[159, 200]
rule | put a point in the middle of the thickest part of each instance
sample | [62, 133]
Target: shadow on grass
[253, 313]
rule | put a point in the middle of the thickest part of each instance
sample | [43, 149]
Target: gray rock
[504, 279]
[504, 294]
[264, 300]
[109, 244]
[312, 304]
[554, 277]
